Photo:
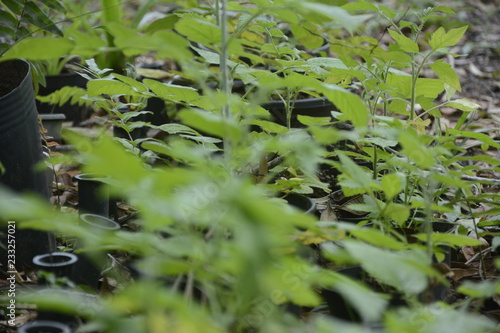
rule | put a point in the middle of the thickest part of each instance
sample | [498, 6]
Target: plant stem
[225, 84]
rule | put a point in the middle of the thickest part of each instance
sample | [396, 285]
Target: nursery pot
[21, 152]
[340, 205]
[61, 264]
[312, 107]
[44, 326]
[91, 263]
[136, 133]
[55, 82]
[53, 125]
[93, 197]
[342, 308]
[301, 202]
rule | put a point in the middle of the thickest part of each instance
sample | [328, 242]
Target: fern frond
[73, 95]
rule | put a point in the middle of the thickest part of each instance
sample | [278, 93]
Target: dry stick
[480, 253]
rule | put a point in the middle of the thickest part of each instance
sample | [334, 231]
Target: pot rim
[39, 259]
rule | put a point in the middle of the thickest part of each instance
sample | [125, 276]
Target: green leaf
[429, 87]
[483, 289]
[109, 87]
[39, 48]
[7, 19]
[211, 123]
[174, 128]
[360, 5]
[474, 135]
[165, 23]
[136, 85]
[406, 270]
[368, 304]
[392, 184]
[450, 239]
[463, 104]
[351, 105]
[377, 238]
[397, 212]
[404, 43]
[415, 150]
[172, 92]
[446, 73]
[333, 13]
[199, 31]
[440, 38]
[38, 18]
[55, 5]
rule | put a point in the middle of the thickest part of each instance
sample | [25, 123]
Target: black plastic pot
[301, 202]
[135, 134]
[91, 263]
[20, 153]
[342, 308]
[52, 122]
[61, 264]
[340, 204]
[44, 326]
[312, 107]
[73, 113]
[92, 195]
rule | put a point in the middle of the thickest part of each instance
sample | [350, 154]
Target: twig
[480, 253]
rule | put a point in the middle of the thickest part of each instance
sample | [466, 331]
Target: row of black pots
[21, 152]
[82, 268]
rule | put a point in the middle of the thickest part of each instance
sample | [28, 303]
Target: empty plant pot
[92, 195]
[73, 113]
[20, 154]
[44, 326]
[91, 263]
[61, 264]
[312, 107]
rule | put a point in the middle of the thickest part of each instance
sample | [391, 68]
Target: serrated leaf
[277, 33]
[450, 239]
[39, 48]
[406, 270]
[211, 123]
[415, 150]
[360, 5]
[350, 105]
[463, 104]
[174, 128]
[429, 87]
[138, 86]
[199, 31]
[109, 87]
[404, 43]
[474, 135]
[397, 212]
[165, 23]
[392, 184]
[446, 73]
[440, 38]
[172, 92]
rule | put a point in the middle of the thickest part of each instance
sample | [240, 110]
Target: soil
[12, 74]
